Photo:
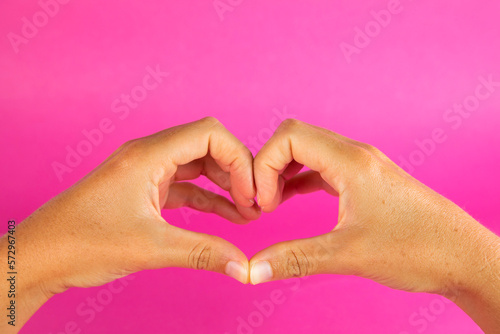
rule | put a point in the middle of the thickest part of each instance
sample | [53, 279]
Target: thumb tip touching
[238, 271]
[259, 272]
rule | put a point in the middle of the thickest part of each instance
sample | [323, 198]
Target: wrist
[476, 288]
[21, 293]
[34, 281]
[480, 265]
[37, 263]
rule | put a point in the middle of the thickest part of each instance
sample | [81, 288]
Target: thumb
[323, 254]
[187, 249]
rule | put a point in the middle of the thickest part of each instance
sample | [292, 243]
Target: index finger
[319, 149]
[184, 143]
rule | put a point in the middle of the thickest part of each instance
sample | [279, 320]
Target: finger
[208, 167]
[205, 166]
[292, 169]
[327, 154]
[185, 194]
[324, 254]
[168, 149]
[286, 173]
[305, 183]
[187, 249]
[182, 144]
[367, 147]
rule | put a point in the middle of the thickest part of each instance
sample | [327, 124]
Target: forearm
[21, 292]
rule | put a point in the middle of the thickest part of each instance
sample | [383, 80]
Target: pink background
[260, 58]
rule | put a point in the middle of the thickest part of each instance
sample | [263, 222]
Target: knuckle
[360, 155]
[369, 148]
[243, 153]
[127, 155]
[200, 257]
[290, 123]
[369, 165]
[259, 163]
[131, 147]
[373, 150]
[298, 263]
[210, 121]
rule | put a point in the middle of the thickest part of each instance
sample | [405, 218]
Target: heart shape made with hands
[271, 177]
[391, 228]
[381, 208]
[157, 167]
[122, 200]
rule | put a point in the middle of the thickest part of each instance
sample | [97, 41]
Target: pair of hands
[391, 228]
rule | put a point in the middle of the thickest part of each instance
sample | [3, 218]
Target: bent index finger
[306, 144]
[185, 143]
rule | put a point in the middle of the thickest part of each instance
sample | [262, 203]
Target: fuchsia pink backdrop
[392, 74]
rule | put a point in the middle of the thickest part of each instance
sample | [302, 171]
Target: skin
[391, 228]
[109, 224]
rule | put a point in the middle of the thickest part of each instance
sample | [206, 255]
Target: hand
[391, 228]
[109, 224]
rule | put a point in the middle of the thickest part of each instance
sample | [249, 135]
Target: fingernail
[258, 199]
[252, 201]
[237, 271]
[261, 272]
